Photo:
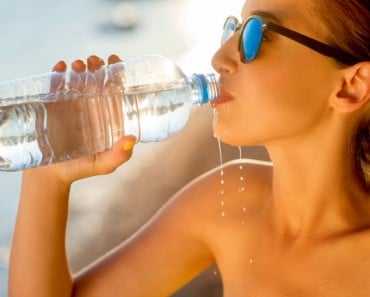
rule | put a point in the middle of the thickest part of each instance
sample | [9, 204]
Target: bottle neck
[205, 88]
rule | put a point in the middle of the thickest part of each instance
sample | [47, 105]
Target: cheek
[279, 103]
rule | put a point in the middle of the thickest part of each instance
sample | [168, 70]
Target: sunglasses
[252, 35]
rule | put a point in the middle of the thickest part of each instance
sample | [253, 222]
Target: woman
[298, 228]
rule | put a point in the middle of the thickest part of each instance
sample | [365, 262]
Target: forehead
[297, 12]
[300, 15]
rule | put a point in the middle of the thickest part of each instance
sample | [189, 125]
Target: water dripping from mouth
[222, 181]
[241, 178]
[220, 156]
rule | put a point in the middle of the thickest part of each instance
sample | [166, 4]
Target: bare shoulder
[245, 171]
[236, 178]
[239, 179]
[230, 191]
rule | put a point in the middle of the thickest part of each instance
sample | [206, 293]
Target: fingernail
[79, 66]
[61, 66]
[93, 63]
[112, 59]
[128, 145]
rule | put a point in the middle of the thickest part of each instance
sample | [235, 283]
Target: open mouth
[224, 97]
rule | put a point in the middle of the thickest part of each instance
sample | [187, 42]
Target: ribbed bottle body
[61, 116]
[42, 132]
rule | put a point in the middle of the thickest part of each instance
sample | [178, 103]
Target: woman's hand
[83, 78]
[96, 164]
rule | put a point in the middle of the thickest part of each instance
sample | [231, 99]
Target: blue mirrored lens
[252, 38]
[229, 30]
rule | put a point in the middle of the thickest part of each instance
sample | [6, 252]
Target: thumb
[108, 161]
[128, 143]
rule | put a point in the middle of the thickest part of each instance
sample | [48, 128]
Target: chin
[224, 132]
[236, 137]
[224, 136]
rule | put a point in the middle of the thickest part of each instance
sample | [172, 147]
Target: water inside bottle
[19, 126]
[69, 125]
[36, 133]
[156, 112]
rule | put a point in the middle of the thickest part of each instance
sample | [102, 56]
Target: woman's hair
[348, 22]
[361, 150]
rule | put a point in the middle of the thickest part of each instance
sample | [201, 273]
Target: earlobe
[354, 91]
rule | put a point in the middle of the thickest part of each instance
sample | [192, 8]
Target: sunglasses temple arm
[313, 44]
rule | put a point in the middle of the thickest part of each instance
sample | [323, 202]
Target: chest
[255, 278]
[262, 269]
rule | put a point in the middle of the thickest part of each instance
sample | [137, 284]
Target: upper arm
[161, 257]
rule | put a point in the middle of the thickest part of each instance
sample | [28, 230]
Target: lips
[224, 97]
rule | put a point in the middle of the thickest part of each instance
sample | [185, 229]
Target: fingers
[115, 72]
[90, 76]
[99, 70]
[60, 66]
[78, 66]
[96, 74]
[112, 59]
[78, 75]
[58, 77]
[94, 63]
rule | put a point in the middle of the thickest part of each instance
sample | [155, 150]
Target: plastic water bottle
[46, 118]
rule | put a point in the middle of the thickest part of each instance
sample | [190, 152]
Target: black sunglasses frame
[309, 42]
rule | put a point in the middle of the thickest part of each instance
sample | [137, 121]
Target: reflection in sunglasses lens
[252, 38]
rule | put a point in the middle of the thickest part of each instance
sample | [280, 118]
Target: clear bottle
[60, 116]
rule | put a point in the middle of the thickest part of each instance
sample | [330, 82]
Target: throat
[318, 201]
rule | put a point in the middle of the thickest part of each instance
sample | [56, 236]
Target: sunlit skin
[298, 228]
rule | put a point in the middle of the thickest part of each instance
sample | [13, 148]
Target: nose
[226, 60]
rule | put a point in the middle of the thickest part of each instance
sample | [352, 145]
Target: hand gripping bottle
[60, 116]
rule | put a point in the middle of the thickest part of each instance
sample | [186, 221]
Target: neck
[315, 189]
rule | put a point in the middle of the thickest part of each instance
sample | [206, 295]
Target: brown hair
[348, 21]
[361, 149]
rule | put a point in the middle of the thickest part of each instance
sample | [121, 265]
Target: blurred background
[106, 210]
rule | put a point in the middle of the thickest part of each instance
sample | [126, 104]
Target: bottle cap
[208, 86]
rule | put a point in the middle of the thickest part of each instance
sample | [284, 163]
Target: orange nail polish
[128, 145]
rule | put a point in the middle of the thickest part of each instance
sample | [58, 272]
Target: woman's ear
[354, 91]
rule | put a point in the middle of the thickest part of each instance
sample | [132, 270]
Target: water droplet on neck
[222, 181]
[220, 156]
[241, 167]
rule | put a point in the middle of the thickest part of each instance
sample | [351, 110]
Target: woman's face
[284, 92]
